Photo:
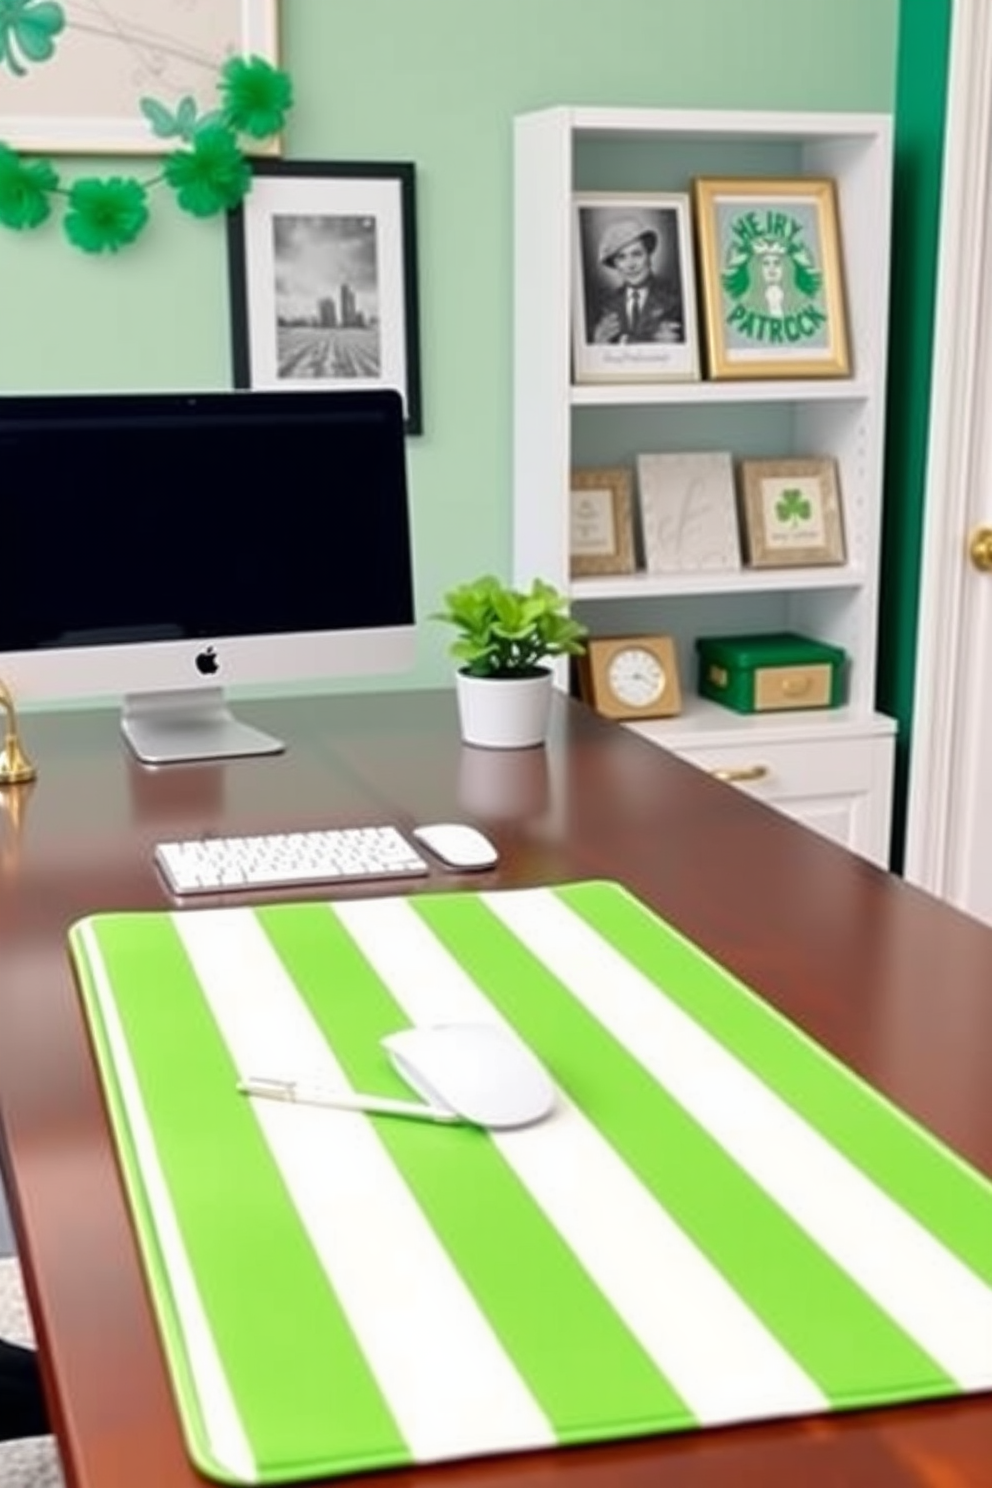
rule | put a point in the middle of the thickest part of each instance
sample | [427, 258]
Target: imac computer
[162, 546]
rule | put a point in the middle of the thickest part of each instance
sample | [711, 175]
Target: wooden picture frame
[85, 98]
[688, 510]
[791, 513]
[322, 260]
[631, 676]
[771, 278]
[601, 523]
[627, 244]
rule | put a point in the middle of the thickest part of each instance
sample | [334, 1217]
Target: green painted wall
[920, 107]
[436, 82]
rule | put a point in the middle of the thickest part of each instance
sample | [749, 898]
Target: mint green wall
[436, 82]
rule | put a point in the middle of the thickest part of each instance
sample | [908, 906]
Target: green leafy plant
[506, 632]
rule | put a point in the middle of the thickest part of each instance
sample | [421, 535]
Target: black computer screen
[144, 517]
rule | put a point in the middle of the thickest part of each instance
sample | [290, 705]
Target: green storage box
[769, 672]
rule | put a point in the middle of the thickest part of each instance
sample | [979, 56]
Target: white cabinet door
[949, 824]
[839, 788]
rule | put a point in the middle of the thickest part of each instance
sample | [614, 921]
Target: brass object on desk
[13, 811]
[15, 767]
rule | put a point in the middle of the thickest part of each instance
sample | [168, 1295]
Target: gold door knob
[980, 549]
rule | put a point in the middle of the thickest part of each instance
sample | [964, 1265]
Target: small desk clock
[631, 677]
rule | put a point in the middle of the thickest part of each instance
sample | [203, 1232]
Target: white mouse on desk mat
[480, 1071]
[460, 847]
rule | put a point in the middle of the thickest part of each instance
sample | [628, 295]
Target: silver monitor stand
[166, 728]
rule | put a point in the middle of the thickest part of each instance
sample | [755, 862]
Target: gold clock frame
[594, 687]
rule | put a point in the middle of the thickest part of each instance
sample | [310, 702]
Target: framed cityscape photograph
[601, 534]
[772, 280]
[323, 280]
[791, 512]
[107, 56]
[633, 288]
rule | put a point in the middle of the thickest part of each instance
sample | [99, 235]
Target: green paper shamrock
[24, 190]
[209, 173]
[28, 26]
[105, 215]
[792, 506]
[212, 176]
[256, 96]
[183, 124]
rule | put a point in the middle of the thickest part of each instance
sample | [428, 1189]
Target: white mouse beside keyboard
[462, 848]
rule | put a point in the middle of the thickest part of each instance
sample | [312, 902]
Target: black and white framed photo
[633, 288]
[323, 277]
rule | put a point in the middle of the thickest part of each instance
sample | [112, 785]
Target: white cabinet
[832, 769]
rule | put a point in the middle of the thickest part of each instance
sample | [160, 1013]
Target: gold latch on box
[792, 687]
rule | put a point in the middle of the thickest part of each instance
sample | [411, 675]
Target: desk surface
[894, 983]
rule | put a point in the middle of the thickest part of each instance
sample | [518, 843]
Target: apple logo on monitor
[207, 663]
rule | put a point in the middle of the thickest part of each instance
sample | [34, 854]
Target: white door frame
[938, 822]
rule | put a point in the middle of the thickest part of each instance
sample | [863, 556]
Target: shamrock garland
[208, 172]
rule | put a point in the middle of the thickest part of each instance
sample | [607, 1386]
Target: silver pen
[311, 1093]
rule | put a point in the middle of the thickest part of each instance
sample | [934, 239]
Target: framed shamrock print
[80, 72]
[772, 280]
[791, 513]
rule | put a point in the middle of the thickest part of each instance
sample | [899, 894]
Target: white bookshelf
[559, 424]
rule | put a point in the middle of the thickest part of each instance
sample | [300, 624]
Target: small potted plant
[506, 637]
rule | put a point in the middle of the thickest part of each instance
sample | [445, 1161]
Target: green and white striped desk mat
[719, 1223]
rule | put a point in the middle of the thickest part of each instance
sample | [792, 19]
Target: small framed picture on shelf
[772, 280]
[323, 278]
[633, 676]
[688, 508]
[633, 288]
[601, 532]
[791, 511]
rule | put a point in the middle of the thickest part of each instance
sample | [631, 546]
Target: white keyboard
[217, 865]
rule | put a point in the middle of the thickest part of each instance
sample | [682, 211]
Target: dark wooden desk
[896, 984]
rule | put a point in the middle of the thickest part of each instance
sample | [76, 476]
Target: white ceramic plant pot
[504, 712]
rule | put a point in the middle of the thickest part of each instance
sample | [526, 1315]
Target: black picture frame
[322, 269]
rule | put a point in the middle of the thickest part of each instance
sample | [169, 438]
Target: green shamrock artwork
[27, 32]
[792, 507]
[205, 164]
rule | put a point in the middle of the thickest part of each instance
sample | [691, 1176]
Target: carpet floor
[33, 1463]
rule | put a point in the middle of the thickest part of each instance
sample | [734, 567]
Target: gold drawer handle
[733, 776]
[795, 686]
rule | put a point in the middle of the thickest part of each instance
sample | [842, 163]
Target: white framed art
[633, 288]
[688, 512]
[85, 98]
